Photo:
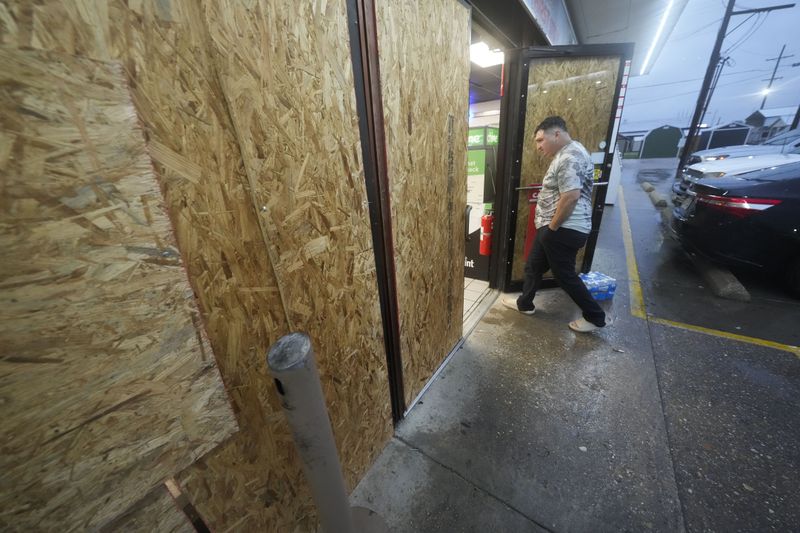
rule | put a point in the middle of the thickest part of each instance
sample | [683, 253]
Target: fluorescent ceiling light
[480, 54]
[656, 38]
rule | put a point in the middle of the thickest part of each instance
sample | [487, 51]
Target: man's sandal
[582, 326]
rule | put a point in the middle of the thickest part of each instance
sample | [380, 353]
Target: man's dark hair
[552, 122]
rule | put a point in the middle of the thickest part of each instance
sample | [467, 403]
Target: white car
[728, 167]
[786, 142]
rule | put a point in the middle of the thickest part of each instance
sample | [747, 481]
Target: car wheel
[793, 276]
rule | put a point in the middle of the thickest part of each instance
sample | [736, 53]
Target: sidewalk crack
[484, 491]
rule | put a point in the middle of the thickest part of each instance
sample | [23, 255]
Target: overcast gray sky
[669, 92]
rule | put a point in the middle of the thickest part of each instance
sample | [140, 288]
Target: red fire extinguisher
[487, 222]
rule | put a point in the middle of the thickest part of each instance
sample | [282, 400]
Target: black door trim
[512, 117]
[369, 105]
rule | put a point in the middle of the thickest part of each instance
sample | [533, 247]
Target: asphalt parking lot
[731, 399]
[675, 288]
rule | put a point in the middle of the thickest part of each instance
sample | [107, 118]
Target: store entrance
[481, 187]
[486, 74]
[586, 86]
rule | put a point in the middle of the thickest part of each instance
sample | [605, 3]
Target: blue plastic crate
[600, 286]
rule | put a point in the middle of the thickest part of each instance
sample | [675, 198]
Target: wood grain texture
[424, 62]
[108, 383]
[568, 88]
[287, 79]
[156, 512]
[168, 60]
[179, 77]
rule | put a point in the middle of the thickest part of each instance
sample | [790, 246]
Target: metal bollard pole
[291, 363]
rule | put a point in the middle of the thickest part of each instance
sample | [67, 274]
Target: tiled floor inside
[478, 297]
[474, 291]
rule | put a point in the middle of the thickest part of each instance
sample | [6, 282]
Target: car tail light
[738, 207]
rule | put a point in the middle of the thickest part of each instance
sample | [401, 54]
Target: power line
[756, 26]
[698, 30]
[747, 34]
[628, 103]
[704, 97]
[750, 52]
[738, 25]
[633, 88]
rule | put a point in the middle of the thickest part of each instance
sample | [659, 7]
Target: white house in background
[769, 122]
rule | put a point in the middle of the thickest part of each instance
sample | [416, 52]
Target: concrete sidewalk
[639, 426]
[533, 427]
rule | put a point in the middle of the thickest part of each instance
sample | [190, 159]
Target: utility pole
[717, 73]
[702, 98]
[774, 71]
[713, 63]
[797, 114]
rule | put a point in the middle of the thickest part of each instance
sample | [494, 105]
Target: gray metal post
[291, 363]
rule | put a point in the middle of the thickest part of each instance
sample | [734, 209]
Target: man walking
[563, 222]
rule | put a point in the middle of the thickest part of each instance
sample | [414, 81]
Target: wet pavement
[772, 313]
[641, 426]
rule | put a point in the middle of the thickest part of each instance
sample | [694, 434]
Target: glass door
[585, 85]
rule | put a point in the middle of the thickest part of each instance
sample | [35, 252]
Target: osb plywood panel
[424, 62]
[165, 49]
[156, 512]
[286, 75]
[580, 90]
[108, 386]
[253, 480]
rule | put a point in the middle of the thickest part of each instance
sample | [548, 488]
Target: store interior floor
[478, 297]
[638, 426]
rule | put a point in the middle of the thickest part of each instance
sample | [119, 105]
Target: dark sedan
[751, 219]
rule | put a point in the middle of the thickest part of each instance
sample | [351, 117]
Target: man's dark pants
[556, 251]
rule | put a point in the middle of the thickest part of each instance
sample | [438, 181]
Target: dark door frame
[362, 26]
[511, 146]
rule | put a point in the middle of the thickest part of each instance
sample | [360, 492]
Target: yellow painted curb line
[724, 334]
[637, 300]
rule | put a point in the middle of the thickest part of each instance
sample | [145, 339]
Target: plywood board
[294, 70]
[108, 383]
[424, 63]
[165, 50]
[254, 480]
[156, 512]
[288, 82]
[581, 90]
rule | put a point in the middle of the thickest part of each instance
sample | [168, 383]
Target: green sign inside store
[475, 137]
[476, 162]
[492, 136]
[483, 137]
